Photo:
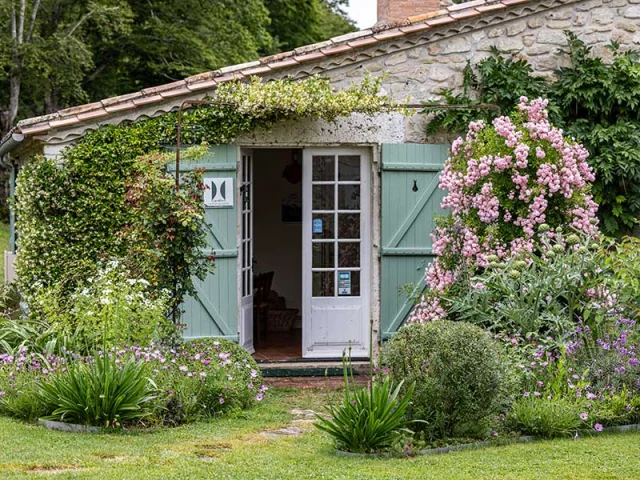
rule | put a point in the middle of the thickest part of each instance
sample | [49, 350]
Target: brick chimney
[392, 11]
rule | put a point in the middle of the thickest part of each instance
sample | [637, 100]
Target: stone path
[303, 420]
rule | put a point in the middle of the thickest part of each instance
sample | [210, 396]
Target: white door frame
[337, 307]
[245, 253]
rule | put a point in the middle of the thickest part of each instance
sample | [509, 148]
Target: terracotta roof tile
[472, 12]
[194, 87]
[100, 112]
[118, 107]
[43, 127]
[418, 27]
[313, 47]
[241, 66]
[164, 88]
[441, 21]
[336, 49]
[138, 102]
[309, 56]
[276, 58]
[363, 42]
[121, 98]
[425, 16]
[79, 109]
[352, 36]
[490, 7]
[388, 34]
[175, 93]
[228, 77]
[465, 5]
[289, 62]
[256, 70]
[65, 122]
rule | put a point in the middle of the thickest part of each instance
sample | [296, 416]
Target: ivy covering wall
[82, 208]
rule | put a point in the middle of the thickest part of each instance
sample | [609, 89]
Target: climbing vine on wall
[593, 101]
[105, 197]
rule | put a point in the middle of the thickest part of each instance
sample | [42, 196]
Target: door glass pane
[349, 225]
[349, 197]
[349, 254]
[323, 197]
[322, 226]
[323, 284]
[323, 168]
[323, 255]
[348, 283]
[349, 168]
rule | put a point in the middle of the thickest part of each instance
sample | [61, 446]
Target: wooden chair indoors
[261, 289]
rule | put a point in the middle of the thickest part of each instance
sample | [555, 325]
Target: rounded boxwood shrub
[459, 375]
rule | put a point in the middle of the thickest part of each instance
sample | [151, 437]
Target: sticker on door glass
[344, 283]
[317, 225]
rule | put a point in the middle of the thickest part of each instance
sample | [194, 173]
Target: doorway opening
[277, 253]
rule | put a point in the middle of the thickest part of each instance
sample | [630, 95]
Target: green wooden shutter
[407, 221]
[213, 312]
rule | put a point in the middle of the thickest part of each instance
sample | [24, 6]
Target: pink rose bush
[509, 185]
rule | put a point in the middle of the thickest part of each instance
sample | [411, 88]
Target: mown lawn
[234, 448]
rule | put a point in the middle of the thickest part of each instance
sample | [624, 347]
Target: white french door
[336, 252]
[245, 203]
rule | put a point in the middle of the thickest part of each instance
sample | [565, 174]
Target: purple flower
[598, 427]
[260, 396]
[584, 416]
[221, 400]
[2, 394]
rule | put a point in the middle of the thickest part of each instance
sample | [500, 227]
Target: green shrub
[368, 419]
[19, 397]
[539, 295]
[460, 377]
[109, 309]
[546, 417]
[101, 393]
[197, 380]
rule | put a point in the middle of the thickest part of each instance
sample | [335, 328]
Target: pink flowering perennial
[503, 182]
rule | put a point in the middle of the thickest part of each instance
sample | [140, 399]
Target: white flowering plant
[111, 308]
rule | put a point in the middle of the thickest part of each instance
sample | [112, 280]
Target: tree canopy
[58, 53]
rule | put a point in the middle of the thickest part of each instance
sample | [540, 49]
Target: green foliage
[106, 310]
[165, 238]
[537, 295]
[73, 51]
[102, 393]
[303, 22]
[595, 102]
[17, 333]
[239, 365]
[546, 418]
[369, 419]
[94, 202]
[622, 260]
[501, 81]
[460, 377]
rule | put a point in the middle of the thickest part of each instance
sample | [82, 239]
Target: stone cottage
[338, 214]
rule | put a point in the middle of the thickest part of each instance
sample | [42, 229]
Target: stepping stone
[283, 432]
[303, 413]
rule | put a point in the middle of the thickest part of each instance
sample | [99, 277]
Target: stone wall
[422, 71]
